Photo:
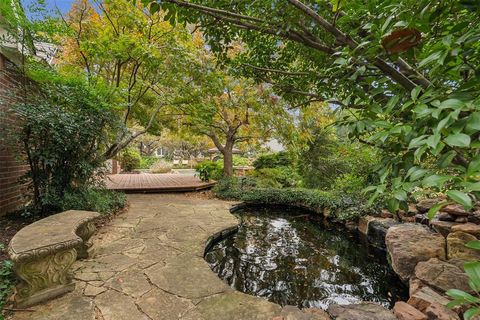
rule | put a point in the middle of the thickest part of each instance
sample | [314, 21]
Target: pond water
[290, 259]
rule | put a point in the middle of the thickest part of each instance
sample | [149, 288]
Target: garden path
[147, 263]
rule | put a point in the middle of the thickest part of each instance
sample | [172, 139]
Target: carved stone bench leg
[85, 232]
[44, 278]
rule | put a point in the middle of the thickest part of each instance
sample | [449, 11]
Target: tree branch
[344, 39]
[288, 73]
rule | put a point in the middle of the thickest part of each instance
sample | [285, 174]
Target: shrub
[239, 161]
[146, 162]
[280, 177]
[326, 158]
[208, 170]
[130, 160]
[161, 166]
[93, 199]
[279, 159]
[63, 132]
[349, 183]
[341, 206]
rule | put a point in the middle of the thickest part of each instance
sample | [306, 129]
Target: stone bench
[44, 251]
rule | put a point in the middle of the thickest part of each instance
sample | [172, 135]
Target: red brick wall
[12, 164]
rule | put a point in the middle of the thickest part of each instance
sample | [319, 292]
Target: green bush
[279, 159]
[340, 207]
[279, 177]
[239, 161]
[63, 131]
[349, 183]
[326, 158]
[93, 199]
[130, 160]
[146, 162]
[7, 280]
[208, 170]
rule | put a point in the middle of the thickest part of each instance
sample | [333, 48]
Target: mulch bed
[9, 225]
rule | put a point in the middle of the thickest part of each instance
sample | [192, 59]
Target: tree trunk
[228, 159]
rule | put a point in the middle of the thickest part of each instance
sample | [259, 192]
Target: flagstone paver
[148, 264]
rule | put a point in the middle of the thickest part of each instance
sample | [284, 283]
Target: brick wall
[12, 163]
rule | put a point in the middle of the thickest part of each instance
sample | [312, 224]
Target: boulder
[404, 311]
[360, 311]
[455, 210]
[422, 219]
[445, 216]
[385, 214]
[425, 297]
[456, 246]
[412, 210]
[377, 230]
[407, 244]
[441, 275]
[316, 314]
[294, 313]
[471, 228]
[425, 204]
[414, 284]
[439, 312]
[443, 227]
[474, 217]
[406, 219]
[461, 219]
[363, 223]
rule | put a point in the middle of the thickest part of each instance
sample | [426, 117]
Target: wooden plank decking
[147, 182]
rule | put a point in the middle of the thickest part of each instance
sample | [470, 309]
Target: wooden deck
[146, 182]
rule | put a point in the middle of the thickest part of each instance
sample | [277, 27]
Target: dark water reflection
[289, 259]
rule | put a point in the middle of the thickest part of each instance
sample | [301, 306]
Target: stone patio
[148, 264]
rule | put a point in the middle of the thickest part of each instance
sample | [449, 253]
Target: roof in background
[10, 47]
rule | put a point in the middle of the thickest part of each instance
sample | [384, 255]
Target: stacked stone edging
[428, 254]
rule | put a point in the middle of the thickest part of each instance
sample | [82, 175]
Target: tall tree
[230, 112]
[406, 73]
[143, 60]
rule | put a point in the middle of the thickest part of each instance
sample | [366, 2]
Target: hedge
[332, 204]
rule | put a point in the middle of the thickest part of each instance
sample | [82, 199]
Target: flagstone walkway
[147, 264]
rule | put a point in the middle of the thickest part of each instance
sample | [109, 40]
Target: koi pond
[289, 258]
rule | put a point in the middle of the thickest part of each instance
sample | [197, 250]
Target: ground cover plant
[334, 205]
[7, 280]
